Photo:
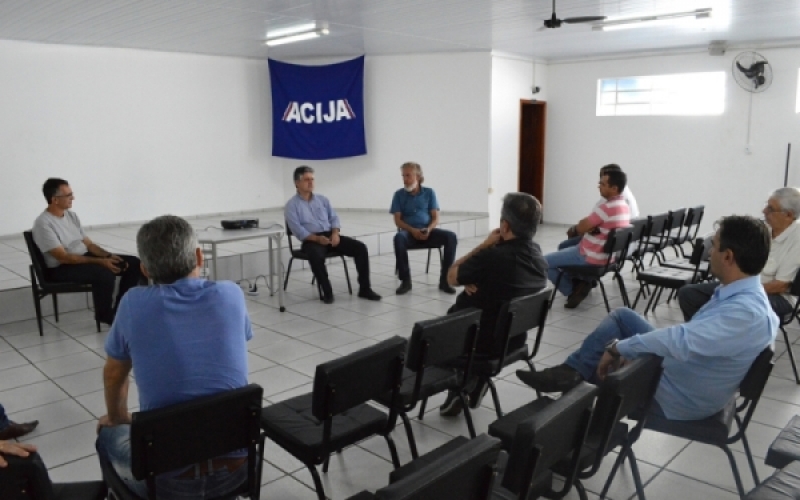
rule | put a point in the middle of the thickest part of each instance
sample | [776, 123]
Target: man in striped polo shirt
[594, 229]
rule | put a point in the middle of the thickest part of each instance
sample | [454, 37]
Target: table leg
[213, 261]
[280, 273]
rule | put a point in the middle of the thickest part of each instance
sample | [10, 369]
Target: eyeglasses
[771, 210]
[68, 195]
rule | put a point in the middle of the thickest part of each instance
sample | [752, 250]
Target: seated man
[185, 337]
[594, 229]
[71, 256]
[416, 215]
[704, 359]
[14, 448]
[507, 264]
[12, 430]
[782, 265]
[313, 221]
[573, 238]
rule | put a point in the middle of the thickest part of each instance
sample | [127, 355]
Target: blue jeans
[403, 242]
[569, 256]
[114, 445]
[3, 418]
[620, 324]
[570, 242]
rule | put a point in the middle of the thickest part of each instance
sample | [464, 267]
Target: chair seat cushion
[783, 485]
[292, 426]
[585, 271]
[669, 277]
[434, 381]
[786, 447]
[426, 459]
[88, 490]
[712, 430]
[683, 263]
[505, 428]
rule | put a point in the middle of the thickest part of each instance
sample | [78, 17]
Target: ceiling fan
[555, 22]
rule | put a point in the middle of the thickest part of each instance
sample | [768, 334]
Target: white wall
[136, 133]
[512, 81]
[671, 161]
[432, 109]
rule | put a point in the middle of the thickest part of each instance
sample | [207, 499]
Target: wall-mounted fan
[752, 72]
[555, 22]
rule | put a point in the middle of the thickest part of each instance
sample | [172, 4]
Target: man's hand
[323, 240]
[492, 240]
[608, 364]
[17, 449]
[470, 289]
[110, 265]
[572, 232]
[335, 239]
[424, 233]
[105, 421]
[116, 259]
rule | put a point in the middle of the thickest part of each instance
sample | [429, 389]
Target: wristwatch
[611, 348]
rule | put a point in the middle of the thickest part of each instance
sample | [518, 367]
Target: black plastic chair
[514, 320]
[675, 220]
[617, 248]
[41, 287]
[673, 278]
[336, 414]
[435, 343]
[787, 319]
[624, 392]
[640, 228]
[687, 232]
[178, 436]
[429, 249]
[462, 468]
[301, 255]
[552, 434]
[27, 479]
[650, 239]
[717, 429]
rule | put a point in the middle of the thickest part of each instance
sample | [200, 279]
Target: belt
[215, 464]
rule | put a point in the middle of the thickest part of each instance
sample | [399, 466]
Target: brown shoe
[579, 292]
[15, 430]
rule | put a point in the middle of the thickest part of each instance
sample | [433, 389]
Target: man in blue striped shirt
[704, 359]
[313, 221]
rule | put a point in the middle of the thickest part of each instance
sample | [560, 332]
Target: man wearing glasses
[416, 215]
[781, 213]
[70, 255]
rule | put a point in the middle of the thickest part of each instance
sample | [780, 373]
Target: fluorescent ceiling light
[654, 20]
[297, 33]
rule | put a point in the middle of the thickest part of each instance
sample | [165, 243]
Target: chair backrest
[289, 235]
[356, 378]
[795, 288]
[465, 473]
[697, 218]
[169, 438]
[37, 259]
[639, 226]
[555, 432]
[751, 387]
[657, 224]
[436, 341]
[701, 251]
[629, 389]
[518, 316]
[676, 219]
[617, 246]
[25, 479]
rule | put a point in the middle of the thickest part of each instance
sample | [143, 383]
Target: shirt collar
[785, 234]
[615, 198]
[724, 291]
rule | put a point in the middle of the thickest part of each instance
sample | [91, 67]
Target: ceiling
[381, 27]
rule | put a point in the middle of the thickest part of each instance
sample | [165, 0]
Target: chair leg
[735, 470]
[639, 294]
[605, 297]
[495, 397]
[37, 304]
[317, 482]
[622, 290]
[467, 416]
[392, 450]
[750, 461]
[288, 272]
[555, 289]
[581, 490]
[790, 352]
[55, 306]
[412, 443]
[613, 473]
[428, 265]
[347, 275]
[422, 408]
[637, 478]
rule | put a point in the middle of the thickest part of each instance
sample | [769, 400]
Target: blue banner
[318, 111]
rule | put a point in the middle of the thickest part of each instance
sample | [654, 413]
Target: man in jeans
[186, 338]
[704, 359]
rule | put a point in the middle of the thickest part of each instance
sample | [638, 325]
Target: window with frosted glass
[677, 94]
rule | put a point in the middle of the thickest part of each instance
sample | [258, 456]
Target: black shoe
[404, 287]
[15, 430]
[328, 299]
[369, 294]
[452, 405]
[579, 292]
[559, 378]
[443, 286]
[477, 394]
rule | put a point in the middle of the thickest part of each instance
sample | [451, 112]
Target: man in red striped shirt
[594, 229]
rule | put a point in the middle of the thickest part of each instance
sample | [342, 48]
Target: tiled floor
[57, 379]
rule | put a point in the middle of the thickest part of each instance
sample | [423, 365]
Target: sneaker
[404, 287]
[579, 292]
[477, 394]
[369, 294]
[452, 405]
[559, 378]
[443, 286]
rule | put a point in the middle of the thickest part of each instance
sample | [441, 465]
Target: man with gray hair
[416, 215]
[780, 212]
[186, 338]
[507, 264]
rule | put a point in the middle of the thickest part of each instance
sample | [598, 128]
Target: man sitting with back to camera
[186, 338]
[70, 256]
[706, 358]
[506, 265]
[416, 215]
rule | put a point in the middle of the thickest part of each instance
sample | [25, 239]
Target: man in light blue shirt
[704, 359]
[416, 215]
[313, 221]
